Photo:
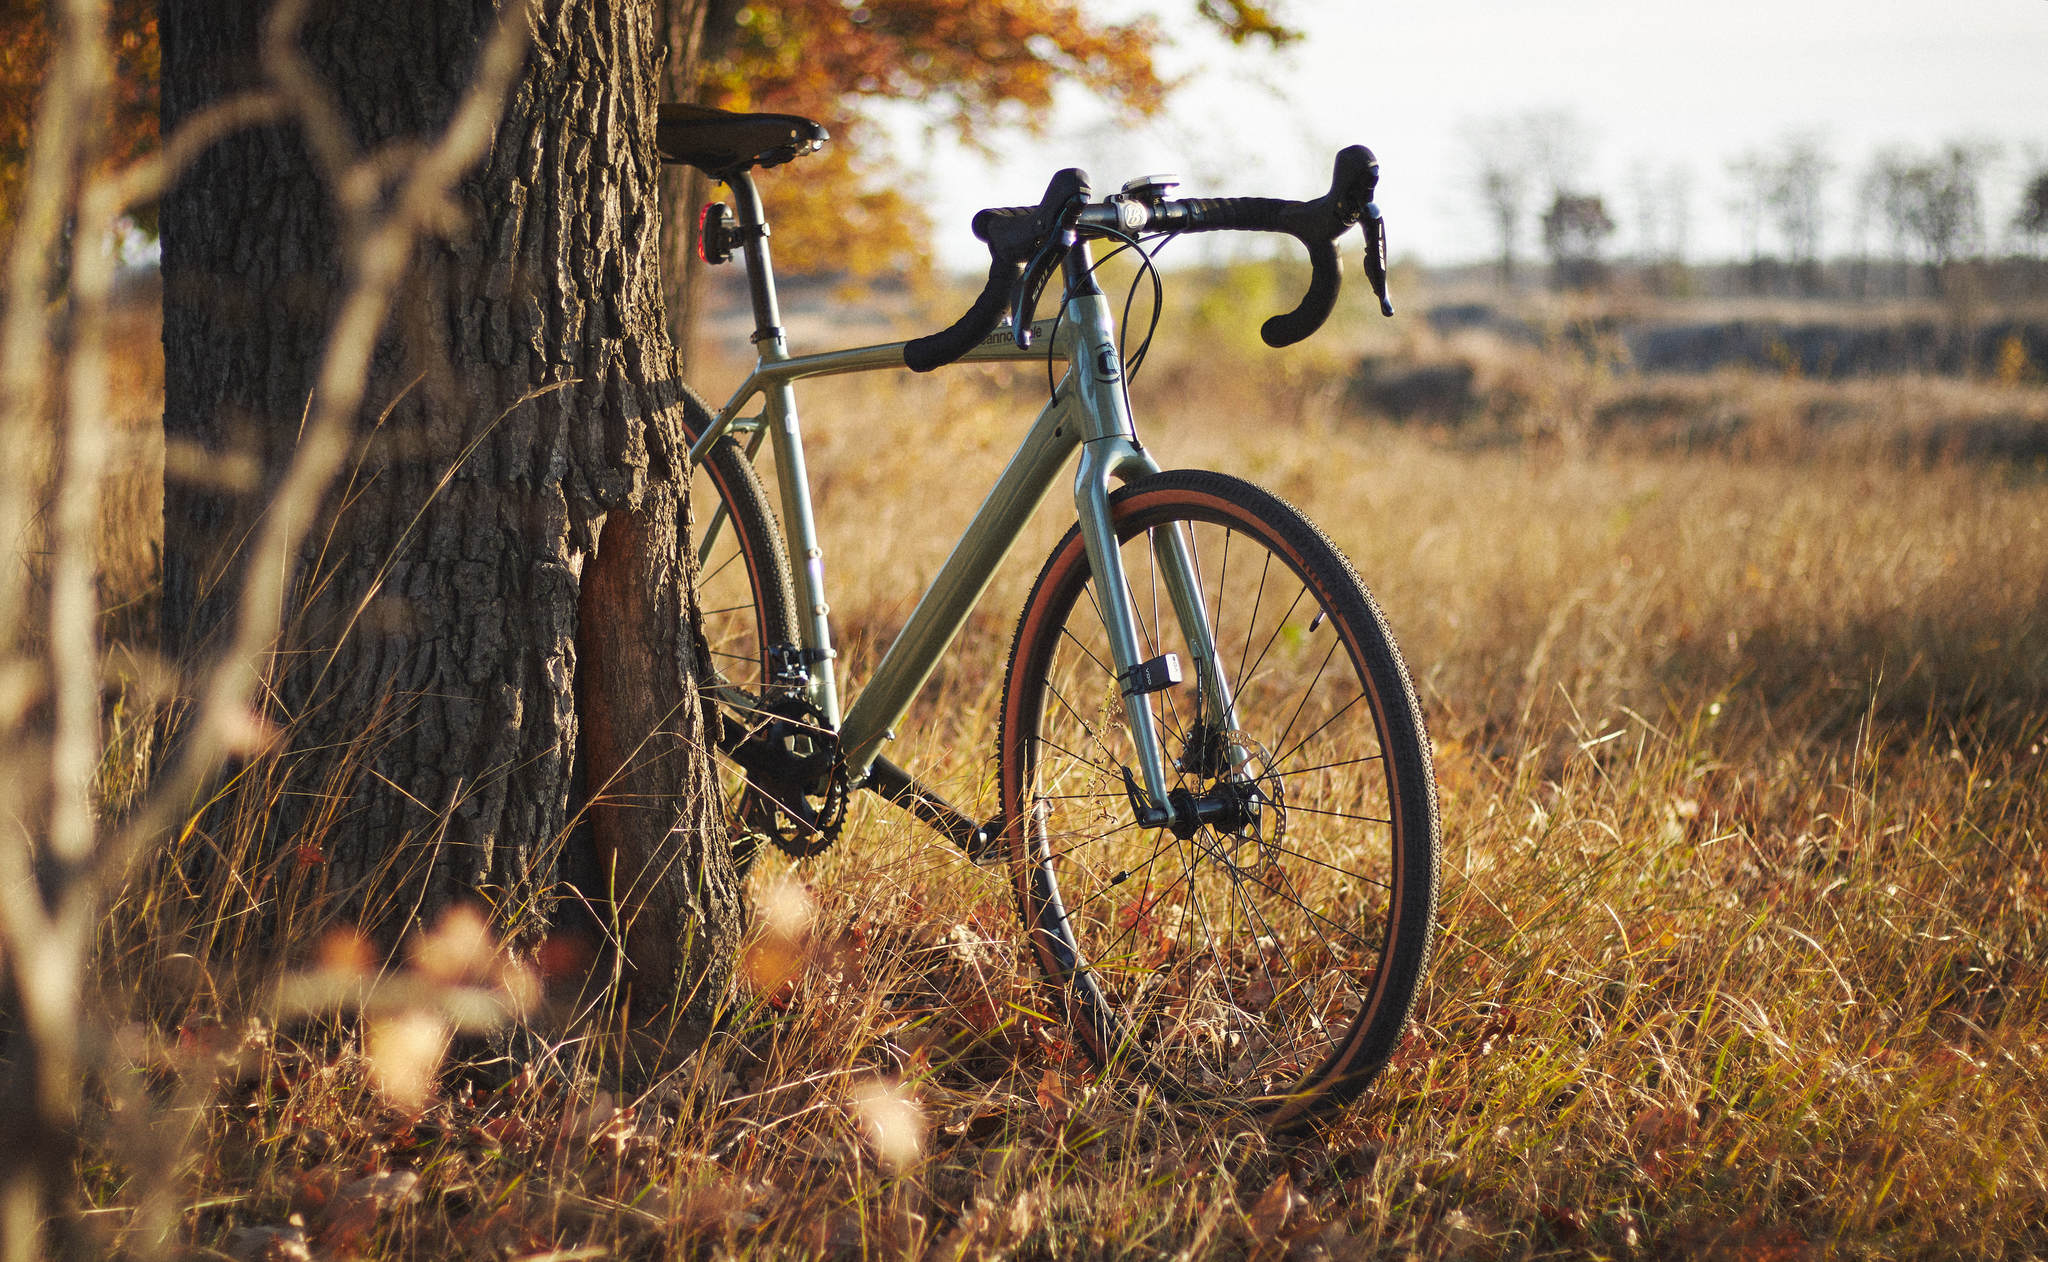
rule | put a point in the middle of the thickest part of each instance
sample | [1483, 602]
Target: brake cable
[1132, 362]
[1146, 266]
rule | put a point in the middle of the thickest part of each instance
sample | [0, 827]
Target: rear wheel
[748, 607]
[1263, 950]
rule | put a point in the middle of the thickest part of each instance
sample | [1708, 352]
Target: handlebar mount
[1026, 243]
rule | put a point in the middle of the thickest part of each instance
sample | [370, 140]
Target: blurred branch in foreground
[59, 857]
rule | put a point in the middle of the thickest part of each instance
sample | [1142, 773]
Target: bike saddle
[721, 142]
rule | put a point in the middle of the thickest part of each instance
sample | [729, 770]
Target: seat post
[799, 525]
[753, 225]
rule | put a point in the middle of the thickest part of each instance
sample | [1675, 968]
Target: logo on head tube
[1106, 366]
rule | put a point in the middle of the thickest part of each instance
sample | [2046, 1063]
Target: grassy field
[1740, 745]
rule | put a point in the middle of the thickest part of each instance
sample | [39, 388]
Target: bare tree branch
[57, 864]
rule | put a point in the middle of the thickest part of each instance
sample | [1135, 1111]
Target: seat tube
[799, 523]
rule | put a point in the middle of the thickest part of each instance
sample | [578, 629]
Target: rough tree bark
[493, 634]
[697, 32]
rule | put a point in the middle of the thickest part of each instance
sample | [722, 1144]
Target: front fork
[1116, 454]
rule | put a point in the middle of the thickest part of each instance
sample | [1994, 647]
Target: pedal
[985, 848]
[1157, 675]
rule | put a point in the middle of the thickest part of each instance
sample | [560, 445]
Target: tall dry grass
[1742, 939]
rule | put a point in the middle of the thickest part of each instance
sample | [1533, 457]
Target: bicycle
[1216, 802]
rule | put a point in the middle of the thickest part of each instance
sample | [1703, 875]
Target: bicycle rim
[742, 579]
[745, 602]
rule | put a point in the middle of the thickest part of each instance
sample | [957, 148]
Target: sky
[1664, 94]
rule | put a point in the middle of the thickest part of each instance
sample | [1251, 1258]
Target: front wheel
[1265, 951]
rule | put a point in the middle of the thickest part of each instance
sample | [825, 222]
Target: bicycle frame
[1088, 413]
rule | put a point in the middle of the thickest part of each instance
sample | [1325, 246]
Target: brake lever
[1375, 229]
[1351, 192]
[1017, 238]
[1031, 285]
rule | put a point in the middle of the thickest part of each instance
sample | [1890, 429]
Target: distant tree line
[1920, 223]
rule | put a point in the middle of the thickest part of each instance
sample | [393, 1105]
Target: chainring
[783, 757]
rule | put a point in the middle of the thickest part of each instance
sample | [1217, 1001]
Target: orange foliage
[970, 65]
[131, 108]
[1247, 20]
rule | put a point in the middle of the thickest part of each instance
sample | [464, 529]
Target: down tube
[943, 609]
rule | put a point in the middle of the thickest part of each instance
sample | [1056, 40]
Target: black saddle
[721, 143]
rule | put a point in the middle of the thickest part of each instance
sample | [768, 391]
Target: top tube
[998, 347]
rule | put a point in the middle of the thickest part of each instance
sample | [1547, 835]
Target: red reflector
[715, 235]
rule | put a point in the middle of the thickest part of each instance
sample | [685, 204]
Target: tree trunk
[492, 633]
[697, 32]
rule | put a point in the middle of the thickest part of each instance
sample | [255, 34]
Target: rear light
[715, 234]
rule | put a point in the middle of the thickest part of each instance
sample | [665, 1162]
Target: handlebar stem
[1078, 268]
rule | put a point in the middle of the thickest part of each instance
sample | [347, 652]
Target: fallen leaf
[352, 1213]
[268, 1244]
[1052, 1097]
[588, 1121]
[347, 952]
[241, 730]
[1276, 1205]
[1563, 1222]
[785, 907]
[563, 955]
[459, 947]
[1465, 1233]
[1657, 1135]
[776, 954]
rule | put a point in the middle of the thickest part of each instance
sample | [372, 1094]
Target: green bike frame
[1088, 413]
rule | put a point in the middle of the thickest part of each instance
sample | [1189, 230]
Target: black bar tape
[1237, 214]
[1315, 224]
[1014, 234]
[1325, 279]
[936, 350]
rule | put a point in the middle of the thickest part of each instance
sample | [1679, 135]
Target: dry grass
[1743, 930]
